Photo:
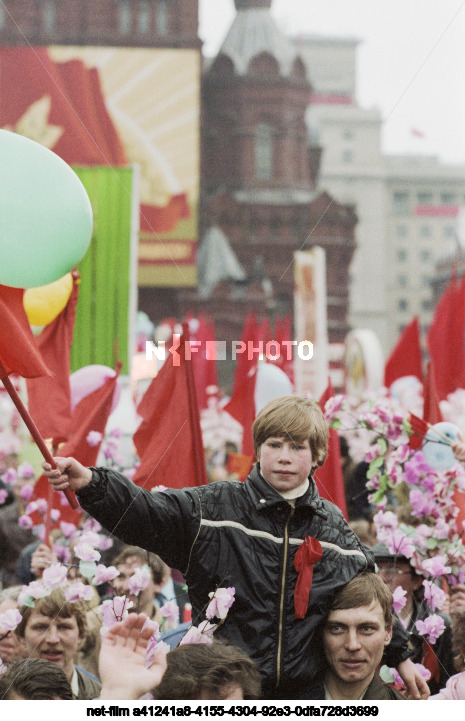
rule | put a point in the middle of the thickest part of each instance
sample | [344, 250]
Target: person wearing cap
[395, 571]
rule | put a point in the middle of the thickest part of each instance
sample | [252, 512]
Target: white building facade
[406, 205]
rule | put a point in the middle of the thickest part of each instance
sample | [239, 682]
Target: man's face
[399, 573]
[121, 583]
[354, 641]
[285, 464]
[10, 646]
[53, 639]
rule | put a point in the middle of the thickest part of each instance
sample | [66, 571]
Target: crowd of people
[230, 591]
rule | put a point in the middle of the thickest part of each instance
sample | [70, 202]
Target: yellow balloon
[43, 304]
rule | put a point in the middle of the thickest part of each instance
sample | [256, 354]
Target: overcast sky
[411, 61]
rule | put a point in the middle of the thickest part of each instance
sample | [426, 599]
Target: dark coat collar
[263, 495]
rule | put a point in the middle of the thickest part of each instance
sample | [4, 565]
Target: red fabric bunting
[308, 554]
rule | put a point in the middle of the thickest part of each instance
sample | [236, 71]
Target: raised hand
[122, 660]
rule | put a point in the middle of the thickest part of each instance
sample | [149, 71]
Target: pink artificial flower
[154, 650]
[423, 671]
[116, 433]
[201, 634]
[441, 529]
[62, 553]
[103, 574]
[400, 545]
[422, 533]
[422, 503]
[399, 599]
[25, 522]
[139, 580]
[3, 495]
[31, 507]
[115, 610]
[105, 543]
[152, 626]
[9, 477]
[36, 589]
[93, 438]
[221, 601]
[9, 620]
[333, 406]
[373, 452]
[79, 590]
[434, 596]
[436, 566]
[26, 491]
[25, 470]
[42, 505]
[415, 467]
[54, 575]
[92, 538]
[85, 552]
[386, 520]
[432, 627]
[55, 514]
[24, 596]
[170, 610]
[130, 473]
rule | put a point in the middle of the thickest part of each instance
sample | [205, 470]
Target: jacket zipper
[281, 603]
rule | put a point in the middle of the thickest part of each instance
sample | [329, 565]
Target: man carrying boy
[285, 550]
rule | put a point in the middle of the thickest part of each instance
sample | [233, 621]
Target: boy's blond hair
[296, 419]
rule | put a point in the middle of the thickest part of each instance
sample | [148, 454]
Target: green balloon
[45, 214]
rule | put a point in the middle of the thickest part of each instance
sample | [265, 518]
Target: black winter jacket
[243, 535]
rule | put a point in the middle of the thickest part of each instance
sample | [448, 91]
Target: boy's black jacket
[243, 535]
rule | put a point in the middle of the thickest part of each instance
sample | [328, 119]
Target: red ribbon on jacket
[308, 554]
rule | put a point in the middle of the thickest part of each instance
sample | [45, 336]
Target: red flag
[419, 431]
[18, 352]
[406, 356]
[241, 406]
[169, 439]
[90, 414]
[431, 410]
[204, 360]
[329, 478]
[446, 339]
[49, 399]
[246, 360]
[283, 338]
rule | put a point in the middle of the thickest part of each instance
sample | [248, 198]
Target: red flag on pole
[246, 360]
[169, 438]
[446, 339]
[204, 360]
[241, 406]
[90, 414]
[19, 354]
[329, 478]
[49, 399]
[406, 357]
